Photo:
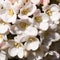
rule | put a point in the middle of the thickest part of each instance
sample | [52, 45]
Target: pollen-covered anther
[31, 39]
[0, 36]
[49, 12]
[25, 1]
[38, 19]
[17, 45]
[10, 12]
[25, 11]
[2, 22]
[23, 25]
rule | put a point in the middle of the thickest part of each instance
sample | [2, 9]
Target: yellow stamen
[31, 39]
[49, 12]
[38, 19]
[23, 25]
[25, 1]
[2, 22]
[0, 36]
[17, 45]
[25, 11]
[10, 12]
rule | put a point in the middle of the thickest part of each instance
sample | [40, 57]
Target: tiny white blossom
[16, 50]
[32, 43]
[27, 10]
[53, 12]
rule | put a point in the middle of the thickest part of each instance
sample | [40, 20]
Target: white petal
[55, 16]
[45, 17]
[5, 46]
[3, 28]
[54, 7]
[13, 52]
[12, 19]
[53, 26]
[19, 38]
[2, 56]
[32, 31]
[35, 1]
[33, 45]
[44, 26]
[20, 52]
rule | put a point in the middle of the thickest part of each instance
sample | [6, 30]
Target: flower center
[17, 45]
[38, 19]
[31, 39]
[10, 12]
[25, 11]
[49, 12]
[2, 22]
[23, 25]
[25, 1]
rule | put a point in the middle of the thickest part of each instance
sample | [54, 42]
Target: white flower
[16, 49]
[32, 43]
[53, 12]
[20, 26]
[27, 10]
[9, 15]
[24, 27]
[41, 21]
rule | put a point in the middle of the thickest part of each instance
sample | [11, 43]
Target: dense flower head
[28, 28]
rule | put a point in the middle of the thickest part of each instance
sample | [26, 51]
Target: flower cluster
[32, 28]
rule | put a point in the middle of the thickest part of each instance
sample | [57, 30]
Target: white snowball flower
[16, 49]
[20, 26]
[53, 12]
[32, 43]
[27, 10]
[9, 15]
[41, 21]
